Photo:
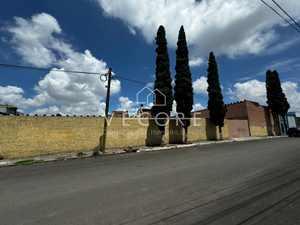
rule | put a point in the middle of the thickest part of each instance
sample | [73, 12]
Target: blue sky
[93, 35]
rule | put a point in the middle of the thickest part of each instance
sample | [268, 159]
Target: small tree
[163, 96]
[183, 90]
[276, 99]
[217, 108]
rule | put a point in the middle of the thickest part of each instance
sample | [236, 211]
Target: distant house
[143, 112]
[9, 110]
[120, 114]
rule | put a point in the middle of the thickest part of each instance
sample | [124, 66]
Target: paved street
[251, 182]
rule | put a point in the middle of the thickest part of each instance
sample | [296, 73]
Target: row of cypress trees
[183, 90]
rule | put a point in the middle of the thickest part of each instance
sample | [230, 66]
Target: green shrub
[96, 151]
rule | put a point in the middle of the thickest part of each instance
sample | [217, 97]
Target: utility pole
[106, 109]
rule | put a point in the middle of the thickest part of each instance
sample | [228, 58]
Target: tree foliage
[163, 96]
[183, 89]
[217, 108]
[276, 99]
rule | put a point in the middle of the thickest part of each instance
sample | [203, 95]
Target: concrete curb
[208, 143]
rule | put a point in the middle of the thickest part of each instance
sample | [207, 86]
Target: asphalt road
[252, 182]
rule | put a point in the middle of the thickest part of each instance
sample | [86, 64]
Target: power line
[131, 80]
[44, 69]
[286, 13]
[80, 72]
[280, 16]
[65, 71]
[200, 97]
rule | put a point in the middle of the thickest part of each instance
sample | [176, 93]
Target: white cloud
[252, 90]
[150, 84]
[173, 112]
[34, 41]
[127, 105]
[200, 85]
[173, 82]
[231, 27]
[193, 62]
[281, 65]
[131, 30]
[197, 107]
[81, 108]
[292, 95]
[281, 47]
[11, 94]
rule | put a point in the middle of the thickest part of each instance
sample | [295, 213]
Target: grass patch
[28, 162]
[63, 157]
[104, 153]
[81, 154]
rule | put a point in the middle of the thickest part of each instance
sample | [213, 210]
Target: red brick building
[120, 114]
[250, 115]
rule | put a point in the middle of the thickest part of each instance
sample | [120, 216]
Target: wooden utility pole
[106, 112]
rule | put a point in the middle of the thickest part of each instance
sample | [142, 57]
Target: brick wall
[261, 121]
[238, 128]
[23, 136]
[237, 111]
[201, 114]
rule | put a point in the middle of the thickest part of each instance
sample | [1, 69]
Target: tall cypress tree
[163, 96]
[217, 108]
[184, 95]
[276, 99]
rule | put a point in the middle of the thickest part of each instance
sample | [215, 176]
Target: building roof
[8, 106]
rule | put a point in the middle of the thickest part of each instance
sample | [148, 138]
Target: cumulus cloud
[231, 27]
[193, 62]
[80, 108]
[200, 85]
[127, 105]
[252, 90]
[35, 42]
[197, 107]
[292, 95]
[32, 38]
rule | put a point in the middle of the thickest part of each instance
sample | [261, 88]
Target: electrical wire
[139, 82]
[280, 16]
[44, 69]
[80, 72]
[286, 13]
